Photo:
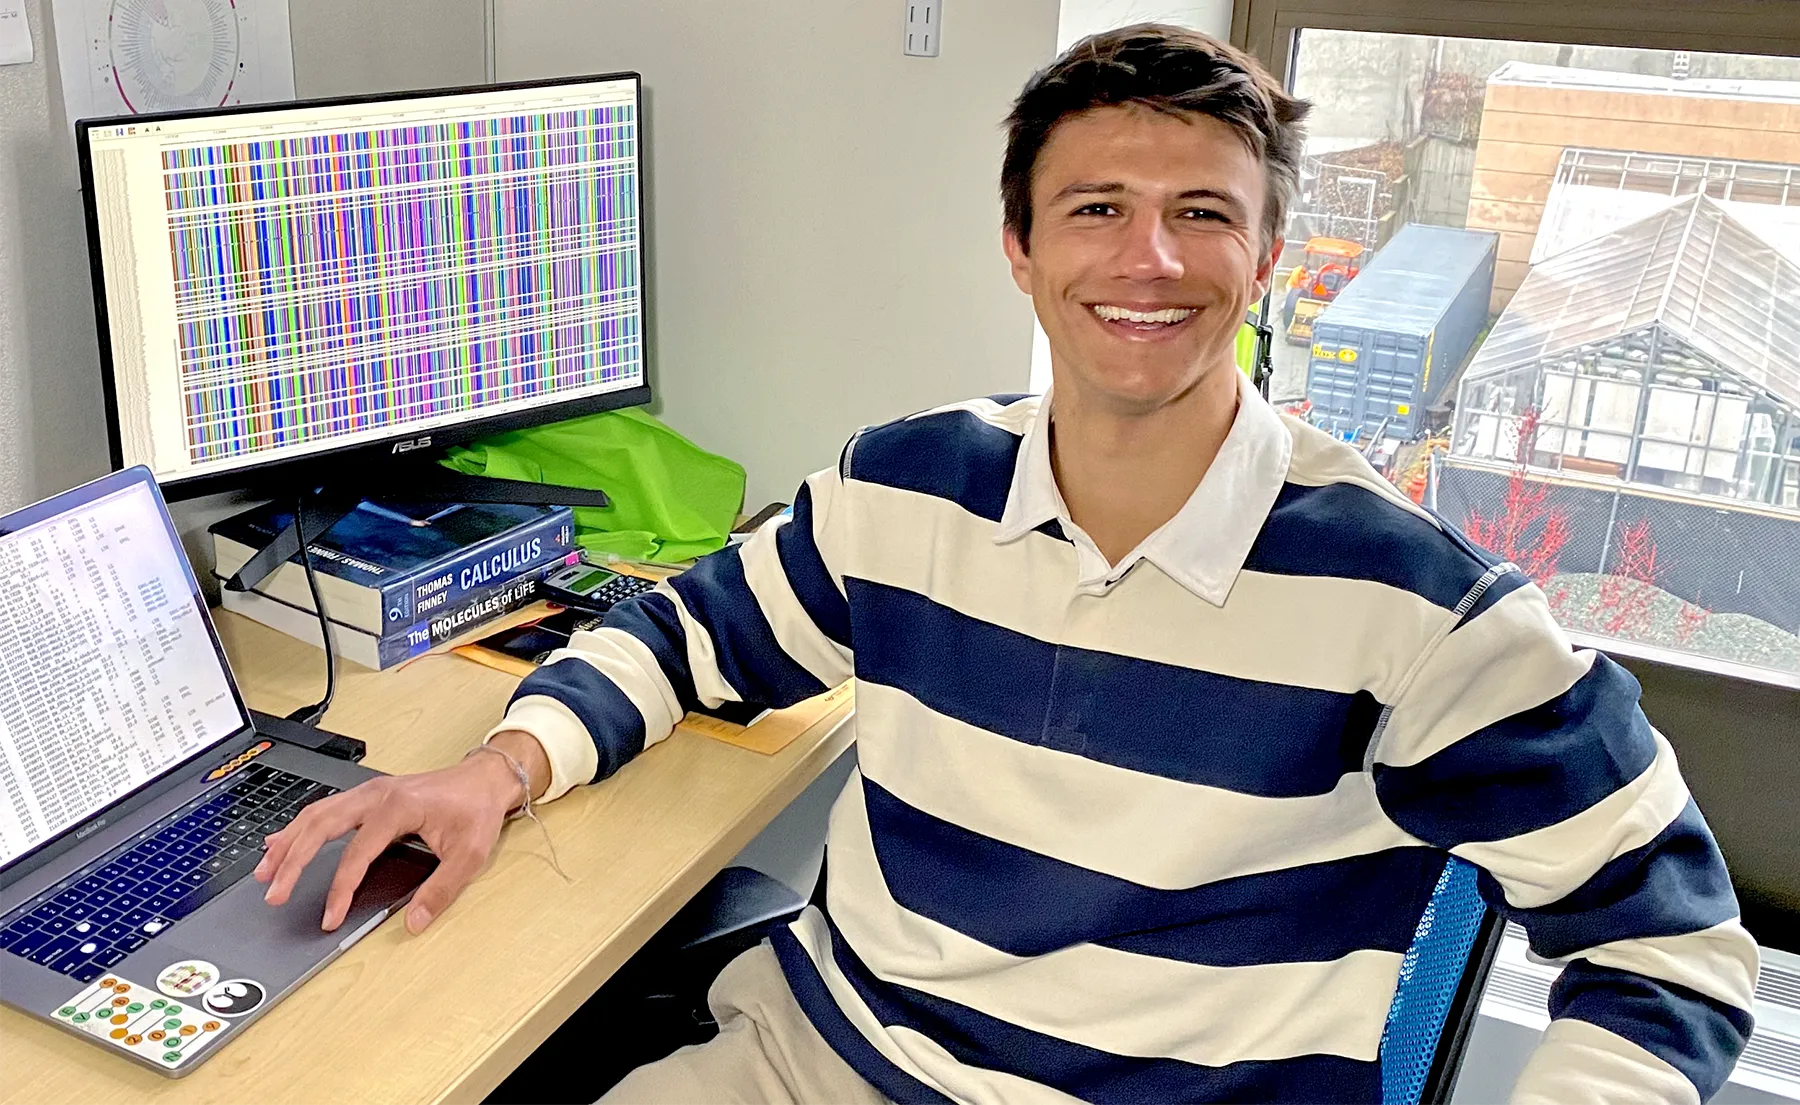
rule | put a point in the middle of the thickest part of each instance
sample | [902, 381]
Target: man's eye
[1096, 209]
[1205, 214]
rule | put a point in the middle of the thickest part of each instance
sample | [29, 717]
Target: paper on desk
[768, 734]
[15, 33]
[499, 661]
[775, 730]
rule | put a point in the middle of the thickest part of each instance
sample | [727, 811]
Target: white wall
[52, 433]
[824, 221]
[350, 47]
[1081, 18]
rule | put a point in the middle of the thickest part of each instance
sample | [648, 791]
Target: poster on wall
[15, 33]
[131, 57]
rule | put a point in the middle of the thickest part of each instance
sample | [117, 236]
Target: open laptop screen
[109, 671]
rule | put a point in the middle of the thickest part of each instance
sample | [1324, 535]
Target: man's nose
[1148, 251]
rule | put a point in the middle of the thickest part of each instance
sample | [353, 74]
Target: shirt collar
[1204, 546]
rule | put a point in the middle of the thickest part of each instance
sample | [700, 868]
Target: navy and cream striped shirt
[1162, 830]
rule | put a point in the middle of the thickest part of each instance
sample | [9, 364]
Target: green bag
[672, 500]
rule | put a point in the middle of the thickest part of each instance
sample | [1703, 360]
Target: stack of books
[396, 579]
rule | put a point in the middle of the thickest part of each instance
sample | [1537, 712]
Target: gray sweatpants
[766, 1052]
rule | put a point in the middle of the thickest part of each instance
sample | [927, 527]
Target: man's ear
[1017, 258]
[1265, 271]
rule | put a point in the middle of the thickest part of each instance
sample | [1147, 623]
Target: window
[1553, 290]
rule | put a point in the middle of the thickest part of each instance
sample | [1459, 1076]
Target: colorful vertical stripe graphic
[333, 283]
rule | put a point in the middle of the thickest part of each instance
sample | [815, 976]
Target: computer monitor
[294, 289]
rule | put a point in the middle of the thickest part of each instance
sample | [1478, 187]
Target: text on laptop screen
[109, 675]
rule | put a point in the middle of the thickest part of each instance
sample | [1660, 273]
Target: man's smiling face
[1145, 251]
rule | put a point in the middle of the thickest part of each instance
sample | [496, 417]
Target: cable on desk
[310, 715]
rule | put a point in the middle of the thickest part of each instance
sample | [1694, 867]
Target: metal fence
[1340, 201]
[1710, 557]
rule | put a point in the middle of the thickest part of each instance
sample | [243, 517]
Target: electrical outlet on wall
[922, 22]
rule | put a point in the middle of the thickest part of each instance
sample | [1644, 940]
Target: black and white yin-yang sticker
[234, 997]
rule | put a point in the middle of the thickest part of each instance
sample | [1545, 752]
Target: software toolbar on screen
[289, 281]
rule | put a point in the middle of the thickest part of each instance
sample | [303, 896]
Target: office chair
[1441, 979]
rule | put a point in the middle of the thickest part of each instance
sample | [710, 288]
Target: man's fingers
[276, 845]
[305, 836]
[375, 835]
[384, 810]
[454, 871]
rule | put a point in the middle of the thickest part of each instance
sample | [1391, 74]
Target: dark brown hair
[1167, 69]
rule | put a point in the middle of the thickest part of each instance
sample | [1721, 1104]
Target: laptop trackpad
[280, 944]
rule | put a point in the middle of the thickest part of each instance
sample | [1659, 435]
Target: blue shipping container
[1388, 345]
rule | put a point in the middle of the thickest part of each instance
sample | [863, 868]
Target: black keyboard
[90, 921]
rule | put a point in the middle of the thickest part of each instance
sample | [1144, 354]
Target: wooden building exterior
[1532, 113]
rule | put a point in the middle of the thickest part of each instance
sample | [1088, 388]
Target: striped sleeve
[764, 622]
[1532, 760]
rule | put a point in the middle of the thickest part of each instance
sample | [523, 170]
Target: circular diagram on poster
[173, 53]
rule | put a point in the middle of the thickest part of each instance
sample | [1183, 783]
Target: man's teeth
[1125, 314]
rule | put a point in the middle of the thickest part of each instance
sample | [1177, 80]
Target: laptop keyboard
[110, 909]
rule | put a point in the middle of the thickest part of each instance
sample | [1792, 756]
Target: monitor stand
[417, 481]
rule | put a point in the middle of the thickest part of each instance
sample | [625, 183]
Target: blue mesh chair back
[1441, 977]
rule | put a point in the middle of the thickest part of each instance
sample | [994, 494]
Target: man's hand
[458, 811]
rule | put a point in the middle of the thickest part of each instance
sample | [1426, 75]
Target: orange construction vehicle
[1329, 265]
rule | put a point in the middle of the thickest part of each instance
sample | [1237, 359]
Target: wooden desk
[446, 1015]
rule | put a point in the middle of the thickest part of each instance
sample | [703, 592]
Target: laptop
[135, 792]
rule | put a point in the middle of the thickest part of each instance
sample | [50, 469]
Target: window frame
[1267, 29]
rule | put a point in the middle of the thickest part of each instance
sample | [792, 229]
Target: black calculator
[586, 587]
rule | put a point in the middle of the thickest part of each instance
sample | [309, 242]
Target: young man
[1169, 709]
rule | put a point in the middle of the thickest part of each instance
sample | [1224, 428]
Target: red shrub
[1527, 532]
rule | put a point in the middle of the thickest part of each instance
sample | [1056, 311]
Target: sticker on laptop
[133, 1019]
[238, 761]
[234, 997]
[187, 979]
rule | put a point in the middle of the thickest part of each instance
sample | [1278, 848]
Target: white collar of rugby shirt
[1204, 546]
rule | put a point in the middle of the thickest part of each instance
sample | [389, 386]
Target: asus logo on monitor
[411, 444]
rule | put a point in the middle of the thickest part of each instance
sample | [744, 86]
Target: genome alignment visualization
[297, 294]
